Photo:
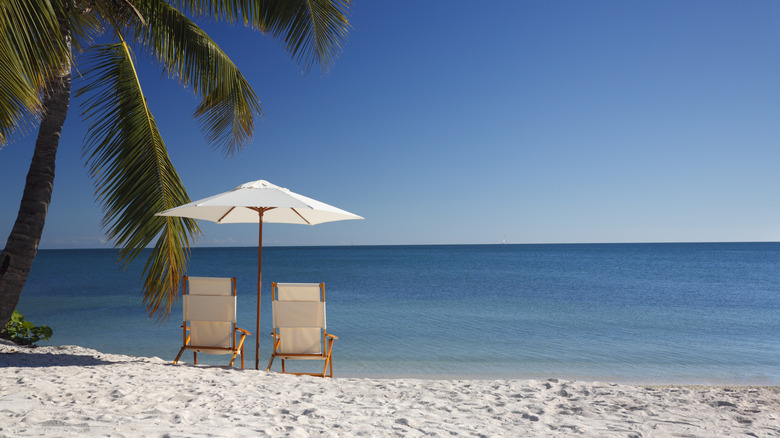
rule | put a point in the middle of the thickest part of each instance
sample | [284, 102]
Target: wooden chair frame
[236, 349]
[327, 344]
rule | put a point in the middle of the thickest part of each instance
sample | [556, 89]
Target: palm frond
[19, 101]
[313, 31]
[31, 26]
[117, 13]
[229, 105]
[134, 175]
[230, 11]
[32, 49]
[84, 23]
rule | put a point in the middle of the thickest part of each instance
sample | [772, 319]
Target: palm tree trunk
[22, 245]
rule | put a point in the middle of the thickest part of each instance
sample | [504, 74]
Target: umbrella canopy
[241, 205]
[259, 202]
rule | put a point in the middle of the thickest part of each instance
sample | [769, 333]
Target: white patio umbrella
[258, 202]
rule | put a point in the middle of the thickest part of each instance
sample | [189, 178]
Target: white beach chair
[299, 325]
[210, 318]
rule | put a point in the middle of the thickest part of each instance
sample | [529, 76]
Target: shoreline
[75, 391]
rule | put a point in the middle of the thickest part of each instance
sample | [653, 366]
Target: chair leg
[179, 355]
[195, 357]
[270, 362]
[325, 368]
[329, 359]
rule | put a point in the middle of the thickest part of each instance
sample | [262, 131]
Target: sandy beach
[75, 391]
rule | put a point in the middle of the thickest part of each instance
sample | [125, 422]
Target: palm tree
[41, 41]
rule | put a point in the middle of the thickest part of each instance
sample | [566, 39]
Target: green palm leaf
[18, 96]
[85, 26]
[32, 49]
[135, 177]
[229, 105]
[313, 31]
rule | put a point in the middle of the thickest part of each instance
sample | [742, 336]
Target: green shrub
[24, 332]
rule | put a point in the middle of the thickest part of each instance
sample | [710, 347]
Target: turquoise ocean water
[638, 313]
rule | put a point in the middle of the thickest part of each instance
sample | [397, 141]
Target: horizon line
[444, 244]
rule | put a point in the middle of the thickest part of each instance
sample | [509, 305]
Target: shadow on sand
[34, 360]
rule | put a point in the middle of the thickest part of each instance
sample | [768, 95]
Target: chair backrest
[210, 308]
[299, 316]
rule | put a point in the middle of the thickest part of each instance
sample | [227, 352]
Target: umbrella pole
[259, 283]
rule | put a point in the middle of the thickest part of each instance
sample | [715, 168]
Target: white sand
[74, 391]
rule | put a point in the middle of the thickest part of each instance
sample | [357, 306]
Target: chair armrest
[243, 331]
[331, 336]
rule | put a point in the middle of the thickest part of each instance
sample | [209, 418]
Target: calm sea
[639, 313]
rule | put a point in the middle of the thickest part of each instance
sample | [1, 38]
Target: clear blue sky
[475, 122]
